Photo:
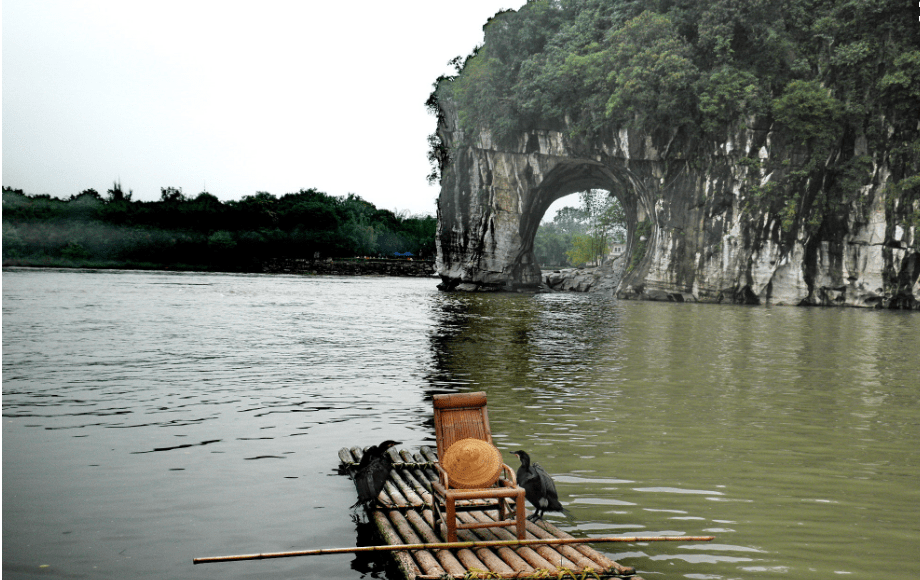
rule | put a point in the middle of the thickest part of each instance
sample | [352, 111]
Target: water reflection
[651, 416]
[375, 565]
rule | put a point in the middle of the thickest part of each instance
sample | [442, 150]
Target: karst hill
[764, 151]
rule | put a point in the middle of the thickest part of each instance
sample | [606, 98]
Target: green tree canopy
[204, 232]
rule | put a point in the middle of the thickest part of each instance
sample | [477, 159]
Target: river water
[153, 417]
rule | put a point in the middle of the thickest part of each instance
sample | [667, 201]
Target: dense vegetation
[580, 235]
[202, 232]
[839, 78]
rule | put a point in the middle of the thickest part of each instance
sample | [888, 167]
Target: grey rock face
[603, 279]
[700, 243]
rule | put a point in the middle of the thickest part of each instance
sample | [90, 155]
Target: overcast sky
[231, 97]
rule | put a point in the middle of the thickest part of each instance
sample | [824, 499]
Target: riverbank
[353, 267]
[341, 267]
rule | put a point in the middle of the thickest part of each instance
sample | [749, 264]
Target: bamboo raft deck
[404, 515]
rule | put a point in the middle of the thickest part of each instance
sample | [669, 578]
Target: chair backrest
[460, 416]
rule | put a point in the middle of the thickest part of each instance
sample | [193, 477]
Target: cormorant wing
[366, 458]
[524, 475]
[548, 486]
[371, 480]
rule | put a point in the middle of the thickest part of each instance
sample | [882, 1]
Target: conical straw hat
[472, 463]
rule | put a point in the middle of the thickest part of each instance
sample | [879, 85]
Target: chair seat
[492, 499]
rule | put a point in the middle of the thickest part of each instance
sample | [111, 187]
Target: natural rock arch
[701, 245]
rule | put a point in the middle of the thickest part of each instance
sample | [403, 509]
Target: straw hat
[472, 463]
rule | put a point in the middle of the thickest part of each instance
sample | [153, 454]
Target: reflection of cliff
[482, 340]
[510, 345]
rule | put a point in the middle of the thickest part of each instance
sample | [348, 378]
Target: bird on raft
[372, 472]
[539, 488]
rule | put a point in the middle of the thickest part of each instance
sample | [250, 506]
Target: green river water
[153, 417]
[791, 434]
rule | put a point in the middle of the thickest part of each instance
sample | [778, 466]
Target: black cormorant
[538, 487]
[372, 472]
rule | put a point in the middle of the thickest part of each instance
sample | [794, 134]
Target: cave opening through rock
[580, 229]
[564, 186]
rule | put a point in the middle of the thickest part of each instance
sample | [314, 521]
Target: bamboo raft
[404, 516]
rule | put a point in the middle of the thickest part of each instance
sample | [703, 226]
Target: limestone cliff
[694, 234]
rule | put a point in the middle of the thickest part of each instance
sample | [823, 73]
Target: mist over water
[153, 417]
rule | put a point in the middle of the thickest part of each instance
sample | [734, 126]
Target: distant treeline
[202, 232]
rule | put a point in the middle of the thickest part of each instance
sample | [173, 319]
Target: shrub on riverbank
[201, 233]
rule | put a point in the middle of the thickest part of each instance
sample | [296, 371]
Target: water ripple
[165, 413]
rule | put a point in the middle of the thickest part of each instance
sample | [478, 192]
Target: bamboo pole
[508, 555]
[446, 558]
[451, 546]
[487, 559]
[407, 492]
[588, 551]
[426, 560]
[345, 456]
[409, 566]
[511, 555]
[597, 560]
[542, 574]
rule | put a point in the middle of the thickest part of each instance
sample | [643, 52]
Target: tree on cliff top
[682, 62]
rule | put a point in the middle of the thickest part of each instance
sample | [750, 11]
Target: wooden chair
[462, 416]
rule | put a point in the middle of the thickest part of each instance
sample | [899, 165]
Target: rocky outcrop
[691, 235]
[603, 279]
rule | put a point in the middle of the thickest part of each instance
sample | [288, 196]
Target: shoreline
[342, 267]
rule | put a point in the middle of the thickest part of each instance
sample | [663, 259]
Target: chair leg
[451, 520]
[521, 522]
[436, 515]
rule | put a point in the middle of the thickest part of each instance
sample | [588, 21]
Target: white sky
[235, 97]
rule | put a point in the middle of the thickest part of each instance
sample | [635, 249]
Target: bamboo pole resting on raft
[451, 545]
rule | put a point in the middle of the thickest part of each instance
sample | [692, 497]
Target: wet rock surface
[602, 279]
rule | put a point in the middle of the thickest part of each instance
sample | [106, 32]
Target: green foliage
[202, 232]
[117, 194]
[572, 220]
[13, 245]
[651, 74]
[904, 197]
[584, 250]
[551, 244]
[604, 216]
[479, 91]
[74, 251]
[845, 186]
[221, 241]
[578, 235]
[168, 194]
[902, 83]
[810, 114]
[725, 94]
